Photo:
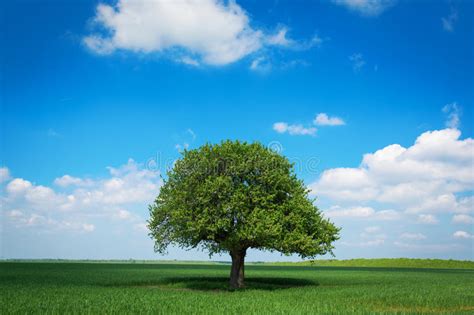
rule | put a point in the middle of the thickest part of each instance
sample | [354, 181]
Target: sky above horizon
[372, 100]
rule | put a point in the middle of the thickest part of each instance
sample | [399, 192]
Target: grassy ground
[187, 288]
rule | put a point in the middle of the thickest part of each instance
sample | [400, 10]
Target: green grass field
[28, 287]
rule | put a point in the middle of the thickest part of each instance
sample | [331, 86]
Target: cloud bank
[425, 178]
[75, 204]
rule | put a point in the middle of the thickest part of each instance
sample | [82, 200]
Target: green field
[29, 287]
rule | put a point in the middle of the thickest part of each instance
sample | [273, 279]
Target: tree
[233, 196]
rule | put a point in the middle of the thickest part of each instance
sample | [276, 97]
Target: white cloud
[68, 180]
[260, 64]
[189, 61]
[357, 61]
[449, 21]
[413, 236]
[355, 212]
[49, 225]
[462, 235]
[360, 212]
[17, 186]
[420, 184]
[353, 184]
[211, 32]
[220, 33]
[77, 201]
[280, 127]
[4, 174]
[443, 203]
[453, 111]
[463, 219]
[366, 7]
[427, 219]
[280, 38]
[426, 177]
[322, 119]
[283, 127]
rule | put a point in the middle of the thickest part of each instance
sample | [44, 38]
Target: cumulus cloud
[462, 235]
[354, 212]
[427, 219]
[424, 178]
[366, 7]
[463, 219]
[68, 180]
[360, 212]
[322, 119]
[19, 185]
[76, 202]
[283, 127]
[209, 32]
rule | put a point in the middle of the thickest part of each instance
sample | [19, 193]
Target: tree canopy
[233, 196]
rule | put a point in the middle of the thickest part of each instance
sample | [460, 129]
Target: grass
[165, 288]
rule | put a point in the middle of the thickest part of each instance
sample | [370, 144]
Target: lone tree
[233, 196]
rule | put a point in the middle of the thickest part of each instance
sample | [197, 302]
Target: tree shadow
[222, 283]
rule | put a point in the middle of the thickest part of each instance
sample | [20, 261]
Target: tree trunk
[237, 270]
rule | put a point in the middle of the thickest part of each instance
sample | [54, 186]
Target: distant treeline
[360, 262]
[388, 263]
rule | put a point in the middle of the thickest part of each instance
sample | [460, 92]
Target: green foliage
[104, 288]
[234, 196]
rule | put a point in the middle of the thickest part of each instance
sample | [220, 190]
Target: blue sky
[372, 99]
